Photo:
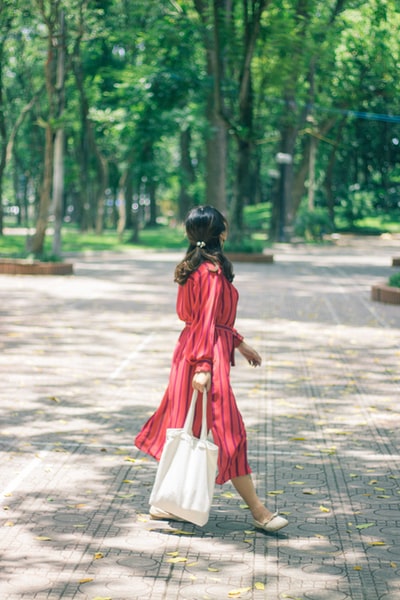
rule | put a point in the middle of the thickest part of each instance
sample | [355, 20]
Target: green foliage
[245, 244]
[143, 68]
[312, 225]
[394, 280]
[357, 205]
[257, 217]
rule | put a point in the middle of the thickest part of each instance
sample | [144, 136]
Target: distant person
[207, 303]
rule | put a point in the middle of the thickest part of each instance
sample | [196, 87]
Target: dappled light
[84, 363]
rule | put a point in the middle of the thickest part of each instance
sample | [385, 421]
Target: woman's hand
[252, 357]
[202, 381]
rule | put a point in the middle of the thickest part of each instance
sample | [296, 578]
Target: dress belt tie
[226, 328]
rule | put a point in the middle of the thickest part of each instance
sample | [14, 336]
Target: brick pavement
[84, 360]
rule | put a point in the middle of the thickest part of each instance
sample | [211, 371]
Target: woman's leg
[245, 487]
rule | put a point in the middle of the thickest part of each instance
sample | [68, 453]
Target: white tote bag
[185, 478]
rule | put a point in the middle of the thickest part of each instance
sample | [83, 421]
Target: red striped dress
[207, 304]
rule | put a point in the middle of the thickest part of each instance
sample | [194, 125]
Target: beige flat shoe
[275, 523]
[161, 515]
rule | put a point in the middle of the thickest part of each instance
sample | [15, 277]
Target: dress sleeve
[205, 295]
[237, 338]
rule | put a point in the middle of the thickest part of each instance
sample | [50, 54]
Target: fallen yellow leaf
[177, 559]
[238, 591]
[365, 525]
[377, 544]
[259, 586]
[212, 570]
[98, 555]
[357, 568]
[86, 580]
[324, 509]
[42, 538]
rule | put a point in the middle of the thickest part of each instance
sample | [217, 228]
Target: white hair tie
[201, 244]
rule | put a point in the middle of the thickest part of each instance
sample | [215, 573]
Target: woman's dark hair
[204, 225]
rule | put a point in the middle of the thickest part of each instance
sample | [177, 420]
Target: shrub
[312, 225]
[394, 280]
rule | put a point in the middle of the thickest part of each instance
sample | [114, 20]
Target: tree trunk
[121, 204]
[153, 202]
[86, 140]
[36, 244]
[187, 174]
[59, 144]
[101, 197]
[3, 137]
[244, 169]
[283, 208]
[216, 156]
[311, 173]
[211, 15]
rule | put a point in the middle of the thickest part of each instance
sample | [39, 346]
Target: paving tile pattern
[84, 361]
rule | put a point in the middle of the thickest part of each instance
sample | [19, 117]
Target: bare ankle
[261, 513]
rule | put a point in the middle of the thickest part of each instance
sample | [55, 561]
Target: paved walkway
[84, 361]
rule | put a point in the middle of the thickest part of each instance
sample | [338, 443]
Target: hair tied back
[201, 244]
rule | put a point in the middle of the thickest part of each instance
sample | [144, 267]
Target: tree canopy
[116, 113]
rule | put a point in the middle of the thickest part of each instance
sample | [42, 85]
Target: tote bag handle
[188, 425]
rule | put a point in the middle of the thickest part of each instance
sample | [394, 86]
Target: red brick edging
[385, 293]
[256, 257]
[25, 267]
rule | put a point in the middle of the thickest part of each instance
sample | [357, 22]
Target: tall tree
[213, 14]
[50, 14]
[59, 141]
[6, 20]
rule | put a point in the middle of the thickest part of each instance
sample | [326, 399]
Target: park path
[84, 361]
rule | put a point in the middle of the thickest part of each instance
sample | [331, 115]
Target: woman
[207, 303]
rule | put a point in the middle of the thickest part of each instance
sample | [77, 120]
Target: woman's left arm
[251, 355]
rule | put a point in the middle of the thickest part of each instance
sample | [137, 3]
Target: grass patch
[162, 237]
[374, 225]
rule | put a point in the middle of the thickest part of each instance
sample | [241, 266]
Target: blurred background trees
[124, 113]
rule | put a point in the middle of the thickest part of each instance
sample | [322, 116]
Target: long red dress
[207, 304]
